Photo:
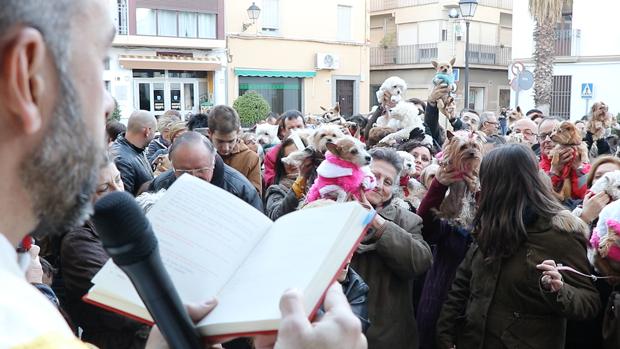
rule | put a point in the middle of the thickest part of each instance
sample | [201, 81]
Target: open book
[216, 245]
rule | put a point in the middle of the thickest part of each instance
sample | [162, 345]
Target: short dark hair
[224, 119]
[410, 145]
[113, 129]
[388, 155]
[197, 121]
[190, 137]
[418, 101]
[532, 111]
[289, 115]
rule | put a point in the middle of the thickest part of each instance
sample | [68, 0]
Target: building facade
[300, 55]
[167, 55]
[587, 50]
[406, 35]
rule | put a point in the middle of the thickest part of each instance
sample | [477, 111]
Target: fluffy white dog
[405, 118]
[395, 86]
[609, 183]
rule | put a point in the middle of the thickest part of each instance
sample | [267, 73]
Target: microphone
[128, 238]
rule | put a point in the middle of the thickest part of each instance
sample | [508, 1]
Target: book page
[291, 255]
[204, 234]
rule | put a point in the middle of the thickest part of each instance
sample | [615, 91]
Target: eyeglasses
[544, 135]
[494, 123]
[195, 172]
[528, 133]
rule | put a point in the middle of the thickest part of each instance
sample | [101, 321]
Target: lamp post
[468, 9]
[253, 13]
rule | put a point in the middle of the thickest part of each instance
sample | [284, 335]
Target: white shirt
[27, 318]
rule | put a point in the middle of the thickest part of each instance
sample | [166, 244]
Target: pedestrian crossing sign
[586, 90]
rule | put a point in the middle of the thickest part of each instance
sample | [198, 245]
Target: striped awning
[169, 62]
[275, 73]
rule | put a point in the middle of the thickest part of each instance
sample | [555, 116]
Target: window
[166, 23]
[444, 35]
[106, 64]
[207, 25]
[108, 86]
[281, 93]
[148, 73]
[188, 26]
[176, 24]
[146, 20]
[344, 23]
[560, 96]
[270, 16]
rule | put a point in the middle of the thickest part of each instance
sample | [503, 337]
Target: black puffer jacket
[132, 163]
[224, 177]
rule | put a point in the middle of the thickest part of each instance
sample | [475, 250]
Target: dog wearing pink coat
[343, 172]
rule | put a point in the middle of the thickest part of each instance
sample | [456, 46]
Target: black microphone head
[124, 230]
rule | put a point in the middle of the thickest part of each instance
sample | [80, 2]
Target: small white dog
[317, 141]
[609, 183]
[267, 134]
[412, 190]
[395, 86]
[404, 117]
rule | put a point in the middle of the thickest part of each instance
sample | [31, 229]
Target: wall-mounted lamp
[253, 13]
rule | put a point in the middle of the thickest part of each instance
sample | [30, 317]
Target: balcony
[382, 5]
[564, 41]
[489, 54]
[407, 54]
[503, 4]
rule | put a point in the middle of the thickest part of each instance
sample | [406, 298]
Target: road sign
[457, 73]
[587, 89]
[526, 80]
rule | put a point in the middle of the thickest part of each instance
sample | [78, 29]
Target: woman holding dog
[390, 256]
[508, 292]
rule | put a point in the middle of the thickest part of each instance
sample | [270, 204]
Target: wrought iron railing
[563, 42]
[406, 54]
[380, 5]
[489, 54]
[123, 17]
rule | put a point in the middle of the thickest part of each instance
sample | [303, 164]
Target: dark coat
[450, 246]
[132, 163]
[356, 291]
[601, 144]
[388, 266]
[81, 257]
[280, 200]
[502, 305]
[155, 148]
[224, 177]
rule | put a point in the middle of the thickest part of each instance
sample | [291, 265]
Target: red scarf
[404, 183]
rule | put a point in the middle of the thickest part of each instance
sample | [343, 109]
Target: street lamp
[253, 13]
[468, 9]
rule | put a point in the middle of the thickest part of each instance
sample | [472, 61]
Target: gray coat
[388, 266]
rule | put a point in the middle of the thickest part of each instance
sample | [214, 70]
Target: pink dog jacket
[337, 174]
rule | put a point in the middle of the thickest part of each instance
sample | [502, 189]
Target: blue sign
[526, 80]
[586, 90]
[457, 73]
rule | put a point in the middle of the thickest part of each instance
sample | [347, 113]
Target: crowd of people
[419, 279]
[486, 234]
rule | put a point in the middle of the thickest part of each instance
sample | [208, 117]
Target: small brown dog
[566, 135]
[462, 153]
[445, 75]
[317, 142]
[514, 115]
[600, 120]
[332, 115]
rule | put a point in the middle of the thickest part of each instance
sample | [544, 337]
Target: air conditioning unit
[327, 61]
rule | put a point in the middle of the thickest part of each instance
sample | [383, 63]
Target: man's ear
[23, 82]
[333, 148]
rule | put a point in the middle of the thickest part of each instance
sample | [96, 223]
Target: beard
[61, 175]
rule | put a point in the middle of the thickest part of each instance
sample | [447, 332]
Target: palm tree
[546, 13]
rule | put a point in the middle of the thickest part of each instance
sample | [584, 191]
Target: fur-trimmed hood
[566, 222]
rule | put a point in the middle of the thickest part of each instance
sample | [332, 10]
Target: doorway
[344, 96]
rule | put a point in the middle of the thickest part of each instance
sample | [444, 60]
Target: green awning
[275, 73]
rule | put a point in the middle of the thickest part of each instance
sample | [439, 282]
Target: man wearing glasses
[577, 171]
[193, 154]
[529, 133]
[489, 125]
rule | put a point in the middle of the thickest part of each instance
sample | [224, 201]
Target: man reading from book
[53, 108]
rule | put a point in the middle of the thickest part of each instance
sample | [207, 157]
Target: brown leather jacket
[247, 162]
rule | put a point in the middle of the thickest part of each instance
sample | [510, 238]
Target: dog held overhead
[393, 86]
[566, 136]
